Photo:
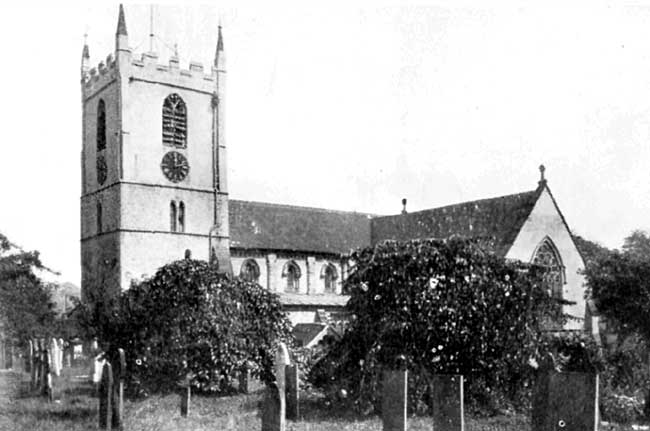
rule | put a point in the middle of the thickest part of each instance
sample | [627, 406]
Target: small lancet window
[250, 271]
[99, 217]
[101, 125]
[329, 276]
[181, 217]
[174, 121]
[291, 272]
[172, 216]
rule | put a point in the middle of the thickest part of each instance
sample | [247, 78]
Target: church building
[154, 188]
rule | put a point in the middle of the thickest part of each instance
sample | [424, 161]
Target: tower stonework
[153, 165]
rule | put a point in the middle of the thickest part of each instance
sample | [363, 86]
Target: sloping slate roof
[499, 219]
[314, 300]
[257, 225]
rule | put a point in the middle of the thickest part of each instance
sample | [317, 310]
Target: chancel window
[101, 125]
[291, 273]
[174, 121]
[548, 257]
[250, 271]
[329, 276]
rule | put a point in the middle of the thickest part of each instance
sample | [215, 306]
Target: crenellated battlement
[149, 68]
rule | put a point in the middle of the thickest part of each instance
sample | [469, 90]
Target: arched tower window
[172, 216]
[181, 217]
[548, 257]
[329, 276]
[101, 125]
[174, 121]
[99, 217]
[291, 272]
[250, 271]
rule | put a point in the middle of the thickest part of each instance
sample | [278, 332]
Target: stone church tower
[154, 180]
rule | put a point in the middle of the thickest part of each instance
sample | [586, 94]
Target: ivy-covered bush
[449, 307]
[190, 323]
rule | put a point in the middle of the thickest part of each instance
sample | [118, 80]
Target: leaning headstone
[566, 401]
[105, 395]
[394, 399]
[448, 403]
[292, 392]
[273, 409]
[117, 401]
[282, 359]
[98, 363]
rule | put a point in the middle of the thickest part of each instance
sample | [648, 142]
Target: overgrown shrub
[189, 322]
[449, 307]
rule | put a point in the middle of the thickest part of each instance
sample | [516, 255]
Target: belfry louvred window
[174, 121]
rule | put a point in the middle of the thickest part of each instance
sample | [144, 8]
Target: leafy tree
[26, 309]
[449, 307]
[190, 322]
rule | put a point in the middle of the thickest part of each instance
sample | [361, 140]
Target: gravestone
[565, 401]
[448, 404]
[105, 395]
[53, 348]
[47, 376]
[273, 409]
[292, 392]
[244, 379]
[186, 398]
[29, 357]
[282, 359]
[117, 402]
[36, 366]
[394, 399]
[61, 346]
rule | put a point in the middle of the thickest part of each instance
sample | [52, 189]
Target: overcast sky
[353, 106]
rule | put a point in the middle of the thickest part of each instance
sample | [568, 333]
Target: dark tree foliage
[190, 322]
[26, 308]
[619, 283]
[450, 308]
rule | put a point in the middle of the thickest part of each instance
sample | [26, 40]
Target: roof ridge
[529, 192]
[299, 207]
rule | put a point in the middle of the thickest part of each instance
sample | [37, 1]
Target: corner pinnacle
[121, 22]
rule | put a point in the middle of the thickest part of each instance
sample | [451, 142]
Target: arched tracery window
[174, 121]
[329, 276]
[250, 271]
[101, 125]
[548, 257]
[291, 272]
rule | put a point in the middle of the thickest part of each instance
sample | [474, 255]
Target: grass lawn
[75, 408]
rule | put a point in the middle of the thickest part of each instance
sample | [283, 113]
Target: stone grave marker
[61, 345]
[53, 348]
[565, 401]
[292, 392]
[47, 376]
[448, 402]
[186, 398]
[244, 379]
[29, 358]
[105, 395]
[394, 399]
[273, 409]
[117, 403]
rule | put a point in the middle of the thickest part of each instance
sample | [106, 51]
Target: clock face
[101, 169]
[175, 167]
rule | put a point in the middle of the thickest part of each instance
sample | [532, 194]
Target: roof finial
[85, 53]
[542, 179]
[220, 39]
[404, 206]
[121, 22]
